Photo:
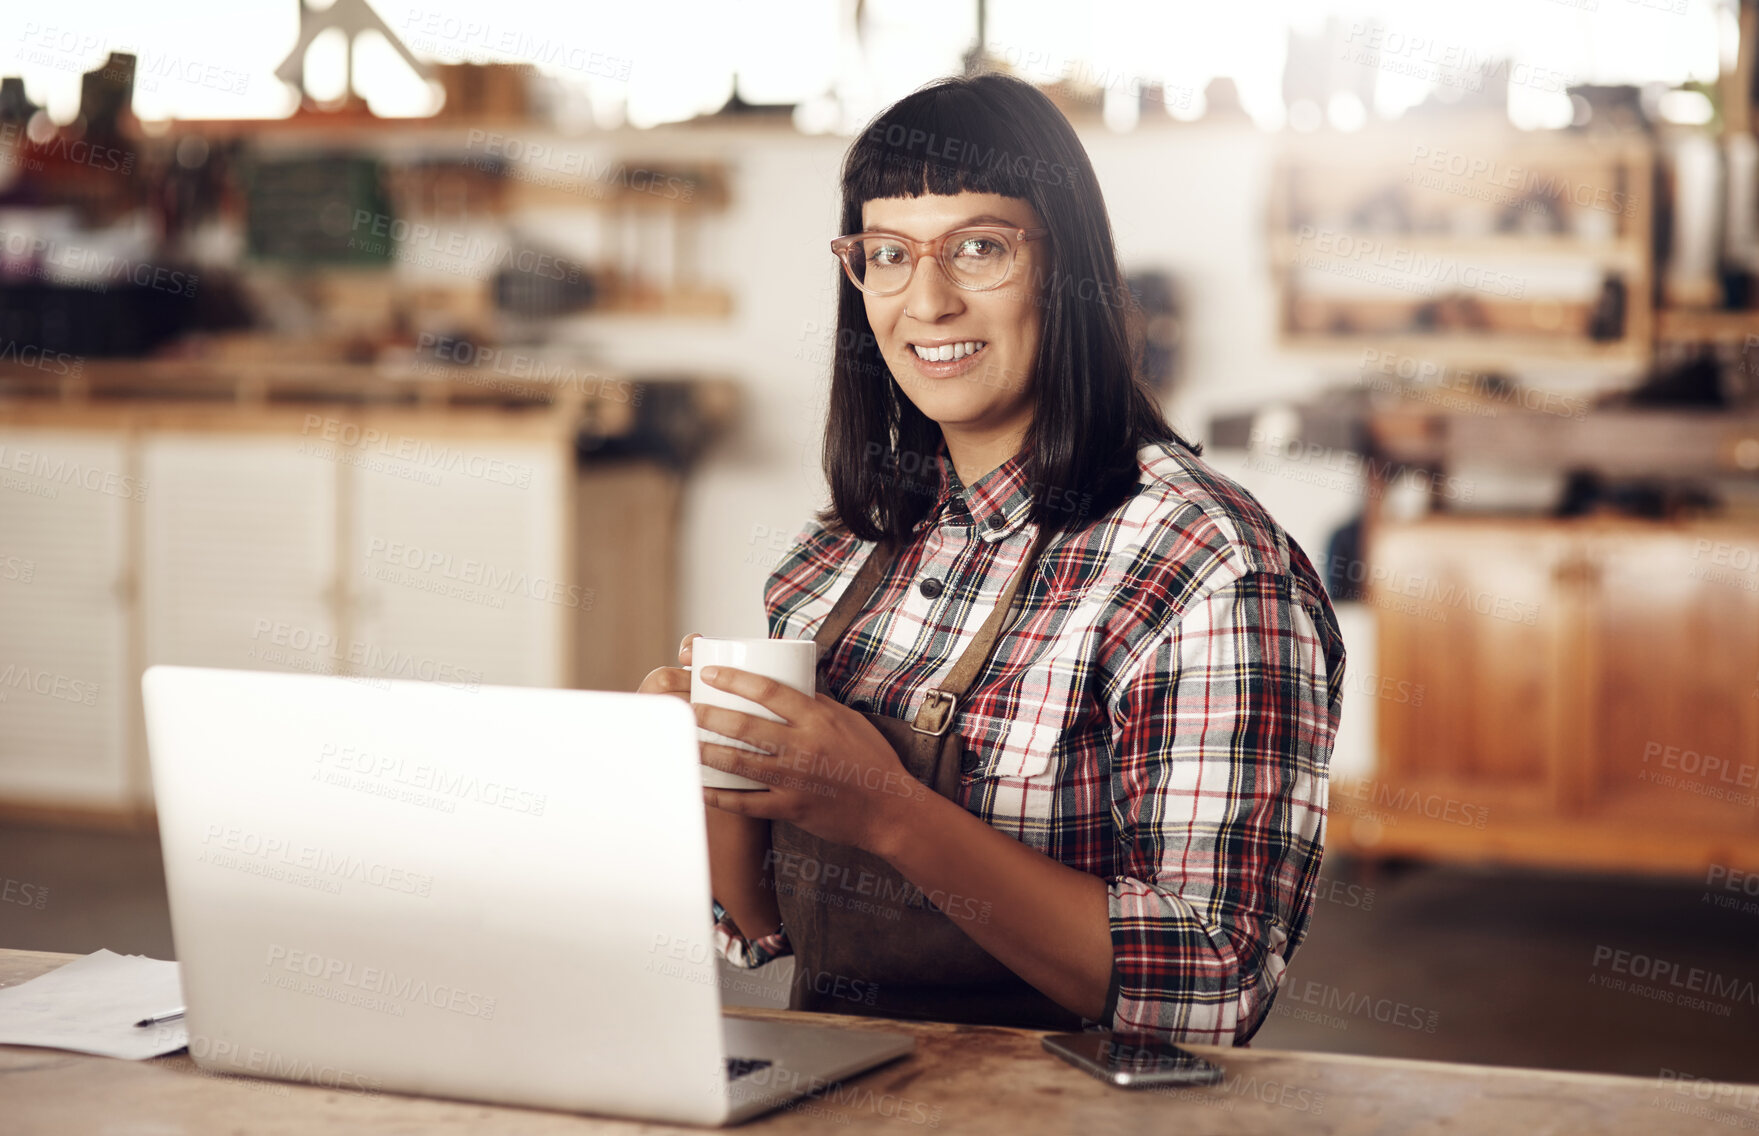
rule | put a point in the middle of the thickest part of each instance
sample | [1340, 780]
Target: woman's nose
[931, 295]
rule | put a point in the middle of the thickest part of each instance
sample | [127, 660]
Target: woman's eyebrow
[980, 219]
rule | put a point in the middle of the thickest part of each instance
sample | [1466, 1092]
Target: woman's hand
[829, 770]
[671, 680]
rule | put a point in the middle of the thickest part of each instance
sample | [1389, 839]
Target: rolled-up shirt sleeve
[1222, 730]
[747, 954]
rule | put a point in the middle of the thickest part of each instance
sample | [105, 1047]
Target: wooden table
[960, 1079]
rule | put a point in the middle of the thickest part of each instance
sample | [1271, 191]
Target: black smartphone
[1132, 1062]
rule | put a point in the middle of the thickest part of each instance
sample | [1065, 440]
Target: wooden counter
[960, 1079]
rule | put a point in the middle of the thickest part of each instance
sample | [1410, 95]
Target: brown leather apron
[866, 940]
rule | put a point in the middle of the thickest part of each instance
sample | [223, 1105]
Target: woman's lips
[947, 370]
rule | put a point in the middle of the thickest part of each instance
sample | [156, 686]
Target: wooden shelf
[1402, 211]
[1632, 442]
[1478, 348]
[1498, 246]
[1705, 324]
[1412, 141]
[297, 381]
[574, 400]
[675, 303]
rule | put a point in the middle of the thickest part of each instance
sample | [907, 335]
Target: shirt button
[996, 521]
[930, 588]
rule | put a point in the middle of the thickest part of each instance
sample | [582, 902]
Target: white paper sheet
[91, 1004]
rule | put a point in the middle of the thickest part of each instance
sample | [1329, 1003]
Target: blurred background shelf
[1657, 442]
[1466, 348]
[1394, 234]
[1696, 325]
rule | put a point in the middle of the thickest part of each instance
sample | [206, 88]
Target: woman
[1077, 691]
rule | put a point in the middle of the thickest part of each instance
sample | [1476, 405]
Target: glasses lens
[879, 264]
[978, 259]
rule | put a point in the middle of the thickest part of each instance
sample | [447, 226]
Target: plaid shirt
[1160, 713]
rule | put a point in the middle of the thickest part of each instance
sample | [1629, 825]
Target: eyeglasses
[976, 259]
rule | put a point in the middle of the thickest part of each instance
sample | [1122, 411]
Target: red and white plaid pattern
[1159, 714]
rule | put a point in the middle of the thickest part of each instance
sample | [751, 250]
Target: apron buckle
[939, 700]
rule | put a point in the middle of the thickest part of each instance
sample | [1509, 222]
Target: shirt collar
[997, 503]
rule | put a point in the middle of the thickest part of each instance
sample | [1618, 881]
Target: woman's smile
[943, 359]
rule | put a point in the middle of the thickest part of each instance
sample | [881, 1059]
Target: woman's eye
[886, 254]
[979, 248]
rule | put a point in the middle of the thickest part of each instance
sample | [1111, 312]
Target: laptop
[486, 893]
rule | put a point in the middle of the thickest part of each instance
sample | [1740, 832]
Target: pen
[171, 1015]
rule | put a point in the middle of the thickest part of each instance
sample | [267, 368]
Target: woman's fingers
[676, 682]
[771, 737]
[729, 759]
[666, 680]
[684, 650]
[756, 803]
[778, 698]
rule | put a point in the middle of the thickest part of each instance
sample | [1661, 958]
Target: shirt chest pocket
[1015, 734]
[1006, 749]
[1011, 731]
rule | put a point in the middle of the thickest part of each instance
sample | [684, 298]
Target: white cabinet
[238, 553]
[447, 558]
[463, 575]
[66, 682]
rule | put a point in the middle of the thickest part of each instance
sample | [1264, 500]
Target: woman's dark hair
[993, 134]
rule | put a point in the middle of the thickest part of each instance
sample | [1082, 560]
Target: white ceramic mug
[793, 662]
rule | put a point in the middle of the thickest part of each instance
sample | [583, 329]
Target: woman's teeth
[947, 352]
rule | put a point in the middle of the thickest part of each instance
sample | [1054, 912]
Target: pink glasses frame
[935, 247]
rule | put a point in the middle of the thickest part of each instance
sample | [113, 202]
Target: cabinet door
[1672, 648]
[458, 568]
[66, 686]
[238, 553]
[1469, 644]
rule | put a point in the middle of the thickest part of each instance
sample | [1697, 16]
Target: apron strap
[940, 704]
[855, 596]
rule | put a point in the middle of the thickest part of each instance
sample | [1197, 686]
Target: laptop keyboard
[738, 1067]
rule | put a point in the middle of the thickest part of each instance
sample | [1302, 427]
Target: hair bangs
[939, 141]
